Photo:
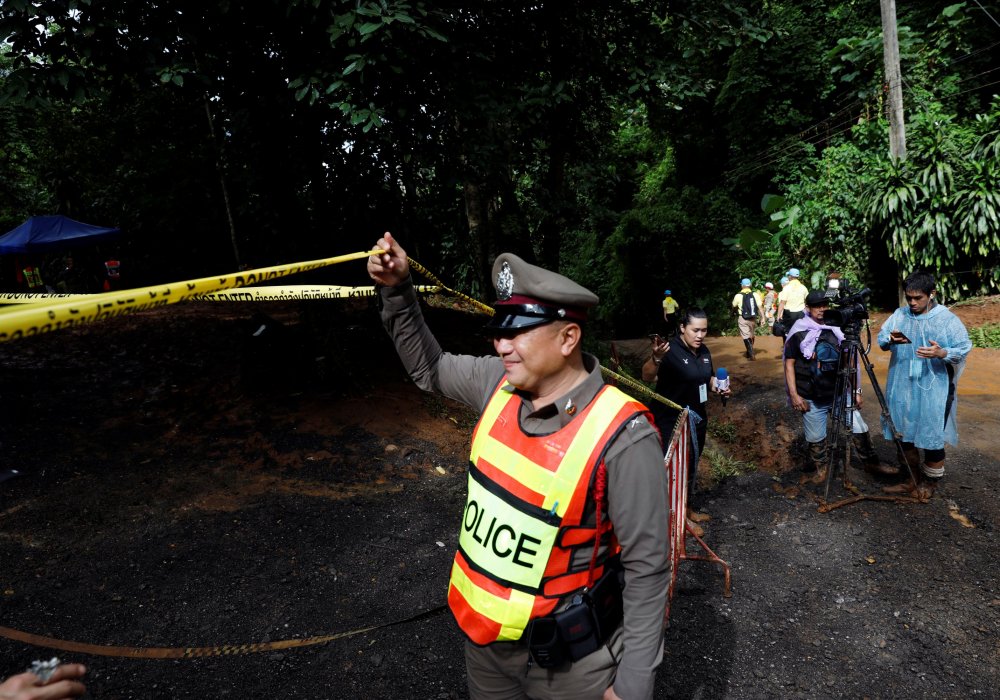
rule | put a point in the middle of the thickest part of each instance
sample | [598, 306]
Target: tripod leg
[910, 464]
[923, 477]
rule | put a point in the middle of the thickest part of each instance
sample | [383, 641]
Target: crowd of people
[559, 582]
[570, 470]
[928, 346]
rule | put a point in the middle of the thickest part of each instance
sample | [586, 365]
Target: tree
[940, 209]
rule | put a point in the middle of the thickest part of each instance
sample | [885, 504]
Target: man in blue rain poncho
[929, 345]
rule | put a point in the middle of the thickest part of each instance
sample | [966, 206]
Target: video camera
[848, 306]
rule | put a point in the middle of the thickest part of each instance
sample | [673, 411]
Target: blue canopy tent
[45, 234]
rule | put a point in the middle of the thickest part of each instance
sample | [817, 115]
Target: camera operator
[929, 345]
[811, 362]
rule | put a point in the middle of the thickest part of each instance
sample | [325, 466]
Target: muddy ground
[212, 476]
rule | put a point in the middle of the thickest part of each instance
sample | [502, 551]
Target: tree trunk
[222, 182]
[477, 216]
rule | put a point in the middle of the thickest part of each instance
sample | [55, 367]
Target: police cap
[528, 296]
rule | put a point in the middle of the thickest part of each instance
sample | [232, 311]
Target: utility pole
[894, 81]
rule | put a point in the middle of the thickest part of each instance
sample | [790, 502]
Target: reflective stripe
[511, 463]
[32, 276]
[557, 483]
[524, 490]
[511, 613]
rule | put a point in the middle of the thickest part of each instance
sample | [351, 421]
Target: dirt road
[186, 484]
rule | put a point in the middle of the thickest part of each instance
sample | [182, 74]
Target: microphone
[722, 381]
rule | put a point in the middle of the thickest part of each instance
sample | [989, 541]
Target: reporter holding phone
[929, 345]
[683, 371]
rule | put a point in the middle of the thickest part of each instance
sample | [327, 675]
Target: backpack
[826, 360]
[749, 306]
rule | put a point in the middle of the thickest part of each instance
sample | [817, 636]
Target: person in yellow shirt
[670, 307]
[791, 300]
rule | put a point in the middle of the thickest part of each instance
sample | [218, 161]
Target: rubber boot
[753, 354]
[819, 458]
[749, 353]
[912, 455]
[869, 457]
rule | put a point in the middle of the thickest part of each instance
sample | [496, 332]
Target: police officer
[566, 484]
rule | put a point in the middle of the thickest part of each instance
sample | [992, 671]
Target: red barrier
[678, 462]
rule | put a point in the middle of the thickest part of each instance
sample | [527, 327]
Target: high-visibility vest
[33, 277]
[523, 516]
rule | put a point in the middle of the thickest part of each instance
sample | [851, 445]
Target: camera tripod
[852, 357]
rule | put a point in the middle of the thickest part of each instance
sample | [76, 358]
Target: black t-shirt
[807, 384]
[680, 374]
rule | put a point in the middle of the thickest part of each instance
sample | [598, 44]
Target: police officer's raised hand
[390, 268]
[63, 684]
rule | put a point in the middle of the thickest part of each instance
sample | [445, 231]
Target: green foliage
[823, 229]
[937, 209]
[723, 431]
[940, 208]
[722, 466]
[596, 138]
[24, 190]
[986, 336]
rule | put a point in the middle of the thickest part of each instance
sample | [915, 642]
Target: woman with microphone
[683, 372]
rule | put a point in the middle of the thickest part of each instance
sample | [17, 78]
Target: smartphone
[899, 337]
[655, 338]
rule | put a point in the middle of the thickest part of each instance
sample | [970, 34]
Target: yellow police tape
[289, 292]
[35, 319]
[31, 298]
[283, 293]
[79, 309]
[123, 652]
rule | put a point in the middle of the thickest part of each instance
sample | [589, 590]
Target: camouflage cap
[528, 296]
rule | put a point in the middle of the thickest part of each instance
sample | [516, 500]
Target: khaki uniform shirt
[638, 493]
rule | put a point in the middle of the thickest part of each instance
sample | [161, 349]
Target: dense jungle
[633, 146]
[217, 476]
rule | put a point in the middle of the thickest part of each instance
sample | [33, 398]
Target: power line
[779, 156]
[779, 151]
[986, 12]
[774, 153]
